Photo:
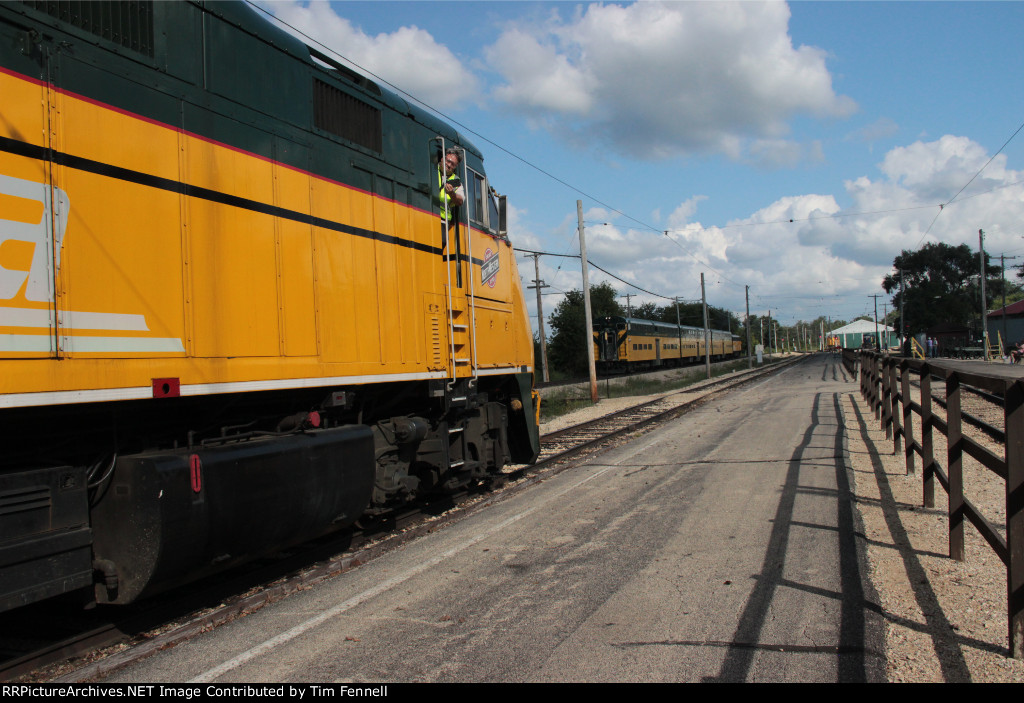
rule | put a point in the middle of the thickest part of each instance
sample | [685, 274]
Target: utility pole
[903, 320]
[589, 322]
[539, 284]
[1002, 276]
[679, 330]
[984, 305]
[1002, 281]
[878, 345]
[885, 323]
[627, 296]
[707, 333]
[769, 333]
[750, 351]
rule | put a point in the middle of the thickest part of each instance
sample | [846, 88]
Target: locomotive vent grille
[128, 23]
[341, 114]
[435, 340]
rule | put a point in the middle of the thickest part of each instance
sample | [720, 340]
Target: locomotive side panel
[297, 300]
[231, 261]
[49, 279]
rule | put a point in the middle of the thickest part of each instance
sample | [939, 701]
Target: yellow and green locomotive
[232, 314]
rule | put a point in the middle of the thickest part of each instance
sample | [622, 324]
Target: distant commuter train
[230, 315]
[628, 343]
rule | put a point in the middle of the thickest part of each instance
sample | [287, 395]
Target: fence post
[1014, 426]
[886, 397]
[955, 454]
[876, 403]
[908, 416]
[897, 398]
[927, 450]
[864, 374]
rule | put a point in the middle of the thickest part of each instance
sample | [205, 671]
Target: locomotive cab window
[477, 187]
[483, 203]
[492, 203]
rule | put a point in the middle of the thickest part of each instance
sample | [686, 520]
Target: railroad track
[639, 373]
[565, 443]
[152, 627]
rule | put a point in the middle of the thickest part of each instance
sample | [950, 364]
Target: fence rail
[886, 383]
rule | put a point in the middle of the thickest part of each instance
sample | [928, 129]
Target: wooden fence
[886, 384]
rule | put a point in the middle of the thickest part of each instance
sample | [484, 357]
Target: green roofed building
[852, 336]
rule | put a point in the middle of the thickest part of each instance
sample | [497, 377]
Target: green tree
[692, 315]
[940, 285]
[566, 350]
[647, 311]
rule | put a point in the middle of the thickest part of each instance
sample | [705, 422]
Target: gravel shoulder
[945, 620]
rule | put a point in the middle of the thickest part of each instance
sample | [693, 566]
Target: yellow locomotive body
[109, 284]
[230, 316]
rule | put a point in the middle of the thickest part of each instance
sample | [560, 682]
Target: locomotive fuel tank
[163, 516]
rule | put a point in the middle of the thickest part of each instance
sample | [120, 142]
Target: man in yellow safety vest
[449, 184]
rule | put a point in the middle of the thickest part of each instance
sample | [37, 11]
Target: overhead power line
[610, 207]
[472, 131]
[604, 270]
[943, 206]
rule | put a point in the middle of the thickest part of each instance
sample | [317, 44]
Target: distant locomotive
[628, 343]
[230, 315]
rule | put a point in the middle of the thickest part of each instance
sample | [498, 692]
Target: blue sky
[719, 123]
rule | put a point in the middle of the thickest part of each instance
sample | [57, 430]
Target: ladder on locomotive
[461, 305]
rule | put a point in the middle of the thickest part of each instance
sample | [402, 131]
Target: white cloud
[801, 254]
[538, 77]
[935, 171]
[686, 210]
[409, 57]
[799, 250]
[664, 79]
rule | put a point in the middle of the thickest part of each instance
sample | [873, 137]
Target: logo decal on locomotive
[30, 249]
[36, 234]
[489, 269]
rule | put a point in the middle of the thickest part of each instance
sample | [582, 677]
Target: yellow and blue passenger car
[627, 343]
